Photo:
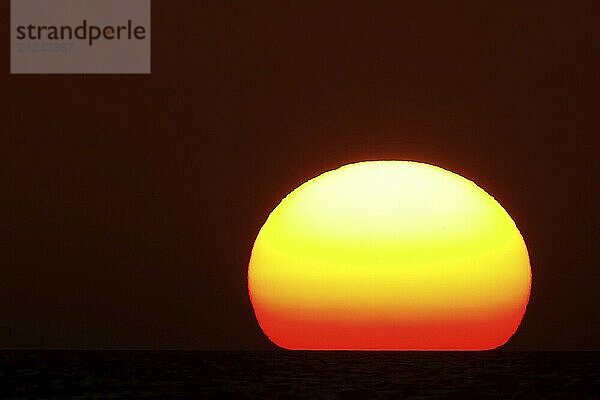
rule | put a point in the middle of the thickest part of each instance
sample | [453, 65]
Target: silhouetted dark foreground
[298, 375]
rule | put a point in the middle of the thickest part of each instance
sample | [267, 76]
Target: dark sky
[129, 204]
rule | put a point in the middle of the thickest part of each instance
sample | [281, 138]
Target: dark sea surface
[298, 375]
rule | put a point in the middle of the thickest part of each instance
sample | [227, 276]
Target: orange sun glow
[389, 255]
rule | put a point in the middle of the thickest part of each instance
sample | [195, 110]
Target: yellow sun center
[389, 255]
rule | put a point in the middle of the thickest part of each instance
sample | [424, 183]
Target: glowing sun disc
[389, 255]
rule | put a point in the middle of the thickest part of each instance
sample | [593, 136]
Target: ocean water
[298, 375]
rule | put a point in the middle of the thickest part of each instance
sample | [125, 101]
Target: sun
[389, 255]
